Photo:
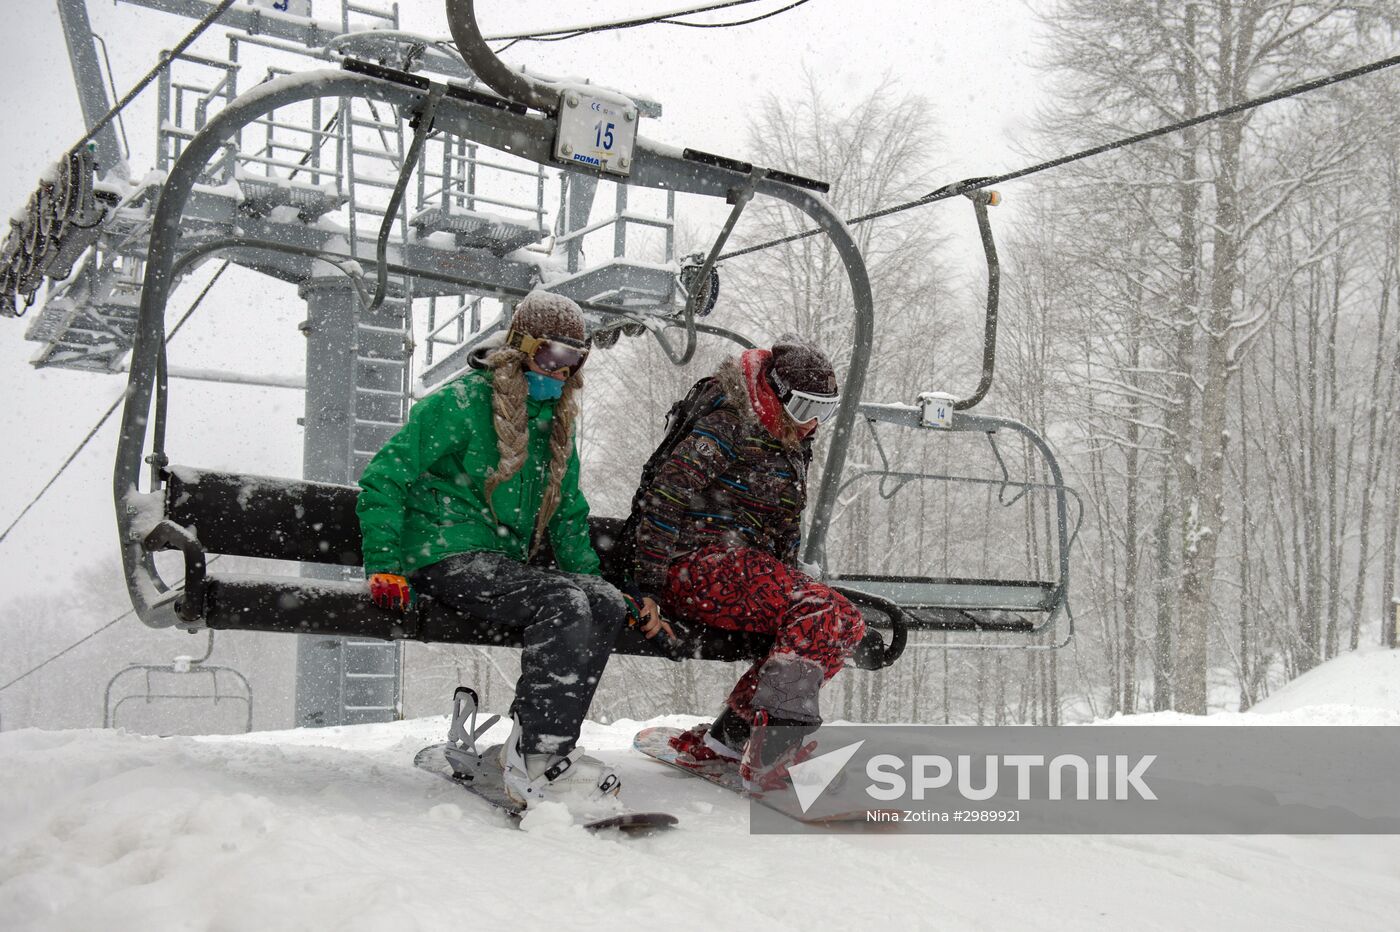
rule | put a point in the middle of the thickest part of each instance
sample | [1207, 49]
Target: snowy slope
[1363, 679]
[335, 829]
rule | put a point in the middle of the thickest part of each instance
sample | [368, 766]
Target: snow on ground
[335, 829]
[1363, 679]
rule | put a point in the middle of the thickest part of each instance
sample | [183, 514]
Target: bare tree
[1219, 191]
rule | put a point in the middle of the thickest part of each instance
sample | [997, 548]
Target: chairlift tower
[277, 177]
[316, 195]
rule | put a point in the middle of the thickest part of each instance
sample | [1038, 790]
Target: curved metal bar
[423, 125]
[899, 622]
[494, 73]
[740, 198]
[1005, 476]
[679, 358]
[1026, 487]
[729, 335]
[157, 459]
[208, 649]
[1049, 624]
[980, 201]
[151, 604]
[528, 136]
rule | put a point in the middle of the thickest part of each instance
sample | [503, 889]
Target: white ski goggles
[805, 406]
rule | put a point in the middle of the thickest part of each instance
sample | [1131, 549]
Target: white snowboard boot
[580, 782]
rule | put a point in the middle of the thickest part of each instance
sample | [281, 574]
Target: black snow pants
[569, 623]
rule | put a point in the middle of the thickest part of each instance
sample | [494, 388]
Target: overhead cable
[737, 22]
[84, 639]
[75, 644]
[964, 187]
[667, 19]
[111, 410]
[165, 60]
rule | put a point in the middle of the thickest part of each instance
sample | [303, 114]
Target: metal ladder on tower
[374, 152]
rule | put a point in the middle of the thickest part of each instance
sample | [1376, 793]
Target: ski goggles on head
[805, 406]
[555, 354]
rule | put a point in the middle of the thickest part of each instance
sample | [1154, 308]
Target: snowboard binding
[463, 733]
[478, 769]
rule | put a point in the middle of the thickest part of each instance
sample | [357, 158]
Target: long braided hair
[508, 394]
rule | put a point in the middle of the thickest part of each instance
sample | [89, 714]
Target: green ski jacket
[422, 496]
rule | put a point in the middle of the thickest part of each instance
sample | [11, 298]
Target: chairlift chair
[223, 685]
[200, 512]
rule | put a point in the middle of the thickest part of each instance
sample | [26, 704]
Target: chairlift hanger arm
[739, 197]
[422, 125]
[516, 85]
[981, 200]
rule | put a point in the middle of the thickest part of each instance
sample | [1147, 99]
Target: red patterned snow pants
[745, 589]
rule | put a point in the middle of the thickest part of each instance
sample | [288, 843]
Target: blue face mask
[543, 388]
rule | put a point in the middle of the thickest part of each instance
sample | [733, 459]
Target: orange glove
[391, 591]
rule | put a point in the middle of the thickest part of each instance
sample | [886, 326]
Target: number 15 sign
[596, 131]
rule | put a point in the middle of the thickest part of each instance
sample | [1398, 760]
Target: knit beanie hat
[800, 365]
[544, 314]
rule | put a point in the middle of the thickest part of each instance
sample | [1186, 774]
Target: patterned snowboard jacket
[731, 481]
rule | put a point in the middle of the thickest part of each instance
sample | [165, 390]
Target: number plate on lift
[596, 131]
[300, 8]
[936, 409]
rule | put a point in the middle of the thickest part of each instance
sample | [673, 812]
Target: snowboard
[656, 744]
[480, 775]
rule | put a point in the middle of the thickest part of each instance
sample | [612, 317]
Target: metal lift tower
[313, 195]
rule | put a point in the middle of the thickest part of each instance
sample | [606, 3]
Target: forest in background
[1203, 326]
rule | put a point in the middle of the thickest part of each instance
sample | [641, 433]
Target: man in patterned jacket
[717, 530]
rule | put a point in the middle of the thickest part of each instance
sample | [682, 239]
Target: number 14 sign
[596, 131]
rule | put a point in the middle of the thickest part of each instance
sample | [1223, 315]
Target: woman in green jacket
[465, 494]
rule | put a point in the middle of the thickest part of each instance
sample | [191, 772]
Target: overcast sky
[974, 61]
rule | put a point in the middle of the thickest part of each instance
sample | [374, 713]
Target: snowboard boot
[786, 711]
[775, 745]
[580, 782]
[720, 742]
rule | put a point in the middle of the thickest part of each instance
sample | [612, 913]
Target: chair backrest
[259, 516]
[300, 521]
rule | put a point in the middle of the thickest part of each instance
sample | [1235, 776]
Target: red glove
[391, 591]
